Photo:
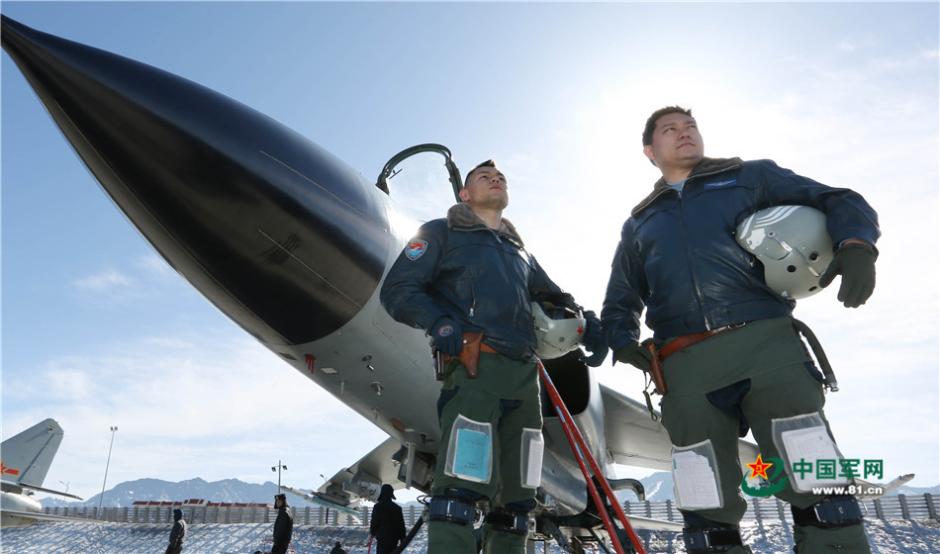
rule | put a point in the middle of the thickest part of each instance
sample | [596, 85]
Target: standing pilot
[461, 276]
[727, 343]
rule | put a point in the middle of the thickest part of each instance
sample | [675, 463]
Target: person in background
[177, 534]
[387, 523]
[283, 525]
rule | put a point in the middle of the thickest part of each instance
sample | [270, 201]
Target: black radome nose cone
[278, 233]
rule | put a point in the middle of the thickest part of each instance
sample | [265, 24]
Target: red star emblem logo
[759, 468]
[5, 470]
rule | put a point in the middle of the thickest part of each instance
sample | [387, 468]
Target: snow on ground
[894, 537]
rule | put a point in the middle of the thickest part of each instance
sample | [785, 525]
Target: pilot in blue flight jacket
[717, 254]
[469, 282]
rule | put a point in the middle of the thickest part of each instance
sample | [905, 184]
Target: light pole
[278, 469]
[107, 465]
[66, 485]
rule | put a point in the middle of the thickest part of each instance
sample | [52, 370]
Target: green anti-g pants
[506, 395]
[760, 372]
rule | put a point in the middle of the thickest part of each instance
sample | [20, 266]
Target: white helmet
[793, 244]
[556, 336]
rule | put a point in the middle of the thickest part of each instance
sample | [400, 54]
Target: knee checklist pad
[696, 477]
[530, 458]
[811, 458]
[470, 451]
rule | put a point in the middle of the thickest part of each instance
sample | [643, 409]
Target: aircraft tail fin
[28, 455]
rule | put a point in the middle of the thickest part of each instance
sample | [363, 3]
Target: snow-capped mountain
[227, 490]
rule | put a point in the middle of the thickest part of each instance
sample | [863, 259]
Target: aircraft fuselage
[281, 236]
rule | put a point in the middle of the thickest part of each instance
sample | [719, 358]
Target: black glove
[855, 262]
[447, 336]
[594, 340]
[635, 355]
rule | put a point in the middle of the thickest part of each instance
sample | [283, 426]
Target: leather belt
[686, 341]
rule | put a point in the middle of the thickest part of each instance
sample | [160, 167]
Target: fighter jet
[293, 245]
[25, 463]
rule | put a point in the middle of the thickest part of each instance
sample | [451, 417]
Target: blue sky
[98, 331]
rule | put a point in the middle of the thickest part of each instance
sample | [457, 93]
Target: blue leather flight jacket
[484, 279]
[678, 255]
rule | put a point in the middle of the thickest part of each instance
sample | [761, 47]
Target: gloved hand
[855, 262]
[447, 336]
[594, 339]
[635, 355]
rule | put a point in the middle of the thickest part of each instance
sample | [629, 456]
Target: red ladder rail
[581, 452]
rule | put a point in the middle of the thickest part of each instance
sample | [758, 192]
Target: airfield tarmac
[892, 537]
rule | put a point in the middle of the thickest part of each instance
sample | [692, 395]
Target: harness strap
[451, 510]
[830, 512]
[820, 354]
[711, 539]
[516, 523]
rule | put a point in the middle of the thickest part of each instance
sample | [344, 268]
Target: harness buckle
[516, 523]
[713, 539]
[830, 512]
[451, 510]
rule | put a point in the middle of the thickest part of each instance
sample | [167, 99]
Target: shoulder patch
[415, 249]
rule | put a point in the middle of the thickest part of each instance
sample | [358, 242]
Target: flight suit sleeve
[623, 302]
[848, 215]
[405, 292]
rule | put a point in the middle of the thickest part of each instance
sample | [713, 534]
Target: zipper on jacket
[700, 297]
[473, 300]
[698, 291]
[502, 255]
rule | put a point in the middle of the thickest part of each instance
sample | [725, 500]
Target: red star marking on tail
[8, 470]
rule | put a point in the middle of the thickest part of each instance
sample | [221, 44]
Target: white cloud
[155, 266]
[136, 279]
[187, 406]
[67, 385]
[847, 46]
[104, 281]
[170, 343]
